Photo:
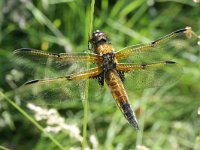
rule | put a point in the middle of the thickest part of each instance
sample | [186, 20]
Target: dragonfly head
[97, 38]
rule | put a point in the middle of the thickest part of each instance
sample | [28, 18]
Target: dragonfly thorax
[108, 62]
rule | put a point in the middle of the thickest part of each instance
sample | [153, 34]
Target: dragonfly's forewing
[174, 44]
[47, 67]
[52, 64]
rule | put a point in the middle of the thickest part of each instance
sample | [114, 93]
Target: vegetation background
[168, 116]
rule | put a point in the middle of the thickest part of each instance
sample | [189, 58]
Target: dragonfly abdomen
[119, 94]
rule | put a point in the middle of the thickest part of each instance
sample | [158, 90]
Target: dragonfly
[137, 66]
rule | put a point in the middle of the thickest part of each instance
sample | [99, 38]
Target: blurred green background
[167, 116]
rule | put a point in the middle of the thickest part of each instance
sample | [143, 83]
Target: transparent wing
[158, 50]
[58, 91]
[53, 74]
[150, 67]
[152, 75]
[42, 57]
[51, 93]
[51, 64]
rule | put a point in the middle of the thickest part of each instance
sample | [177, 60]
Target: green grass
[168, 117]
[84, 143]
[29, 118]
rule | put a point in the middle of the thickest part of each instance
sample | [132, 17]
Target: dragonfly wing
[52, 64]
[70, 57]
[61, 92]
[162, 49]
[51, 93]
[46, 68]
[152, 75]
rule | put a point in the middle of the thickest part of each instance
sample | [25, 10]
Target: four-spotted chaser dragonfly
[136, 66]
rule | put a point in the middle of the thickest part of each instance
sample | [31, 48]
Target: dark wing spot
[22, 50]
[170, 62]
[153, 43]
[54, 54]
[31, 82]
[68, 77]
[181, 30]
[143, 66]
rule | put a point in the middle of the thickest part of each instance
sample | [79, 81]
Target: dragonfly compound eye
[98, 37]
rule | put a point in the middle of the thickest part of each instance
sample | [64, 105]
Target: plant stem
[87, 85]
[32, 121]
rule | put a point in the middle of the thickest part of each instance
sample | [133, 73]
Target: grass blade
[28, 117]
[87, 86]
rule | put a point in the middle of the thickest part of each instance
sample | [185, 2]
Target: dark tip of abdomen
[129, 115]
